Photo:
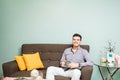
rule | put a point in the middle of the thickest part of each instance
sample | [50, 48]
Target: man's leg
[74, 74]
[52, 71]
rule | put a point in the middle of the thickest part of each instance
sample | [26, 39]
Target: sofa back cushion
[50, 53]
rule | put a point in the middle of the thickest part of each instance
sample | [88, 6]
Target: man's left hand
[73, 65]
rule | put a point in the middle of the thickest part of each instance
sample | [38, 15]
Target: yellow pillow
[33, 61]
[20, 62]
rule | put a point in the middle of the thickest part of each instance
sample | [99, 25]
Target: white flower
[111, 46]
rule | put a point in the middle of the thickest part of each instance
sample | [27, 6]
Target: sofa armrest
[9, 68]
[86, 72]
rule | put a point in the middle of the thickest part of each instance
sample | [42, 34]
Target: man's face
[76, 41]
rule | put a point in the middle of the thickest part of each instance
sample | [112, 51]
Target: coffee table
[110, 73]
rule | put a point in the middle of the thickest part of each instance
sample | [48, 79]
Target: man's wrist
[79, 65]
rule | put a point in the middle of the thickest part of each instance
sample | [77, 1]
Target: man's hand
[73, 65]
[62, 64]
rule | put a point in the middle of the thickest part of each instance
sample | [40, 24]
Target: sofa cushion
[20, 62]
[33, 61]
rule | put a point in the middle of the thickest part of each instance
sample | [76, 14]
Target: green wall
[55, 21]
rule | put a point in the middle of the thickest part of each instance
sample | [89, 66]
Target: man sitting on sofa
[71, 62]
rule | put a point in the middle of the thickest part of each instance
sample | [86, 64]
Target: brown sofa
[50, 55]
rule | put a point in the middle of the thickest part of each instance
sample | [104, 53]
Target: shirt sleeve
[63, 57]
[88, 61]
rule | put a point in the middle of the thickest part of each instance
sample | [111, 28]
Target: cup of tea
[103, 60]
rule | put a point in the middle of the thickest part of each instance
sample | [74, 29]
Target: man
[72, 60]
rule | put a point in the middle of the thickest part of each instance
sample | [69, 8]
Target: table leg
[112, 73]
[101, 73]
[111, 78]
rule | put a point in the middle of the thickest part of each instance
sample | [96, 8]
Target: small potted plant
[110, 53]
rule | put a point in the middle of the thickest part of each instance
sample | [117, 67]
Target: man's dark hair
[78, 35]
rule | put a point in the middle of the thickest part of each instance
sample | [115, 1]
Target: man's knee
[77, 72]
[51, 68]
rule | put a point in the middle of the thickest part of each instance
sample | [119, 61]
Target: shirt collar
[76, 50]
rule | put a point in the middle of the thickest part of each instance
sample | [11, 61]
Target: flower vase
[110, 58]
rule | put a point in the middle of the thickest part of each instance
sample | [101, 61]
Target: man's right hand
[62, 63]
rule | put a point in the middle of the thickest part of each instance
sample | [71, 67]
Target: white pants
[74, 74]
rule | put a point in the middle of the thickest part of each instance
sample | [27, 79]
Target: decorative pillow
[33, 61]
[20, 62]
